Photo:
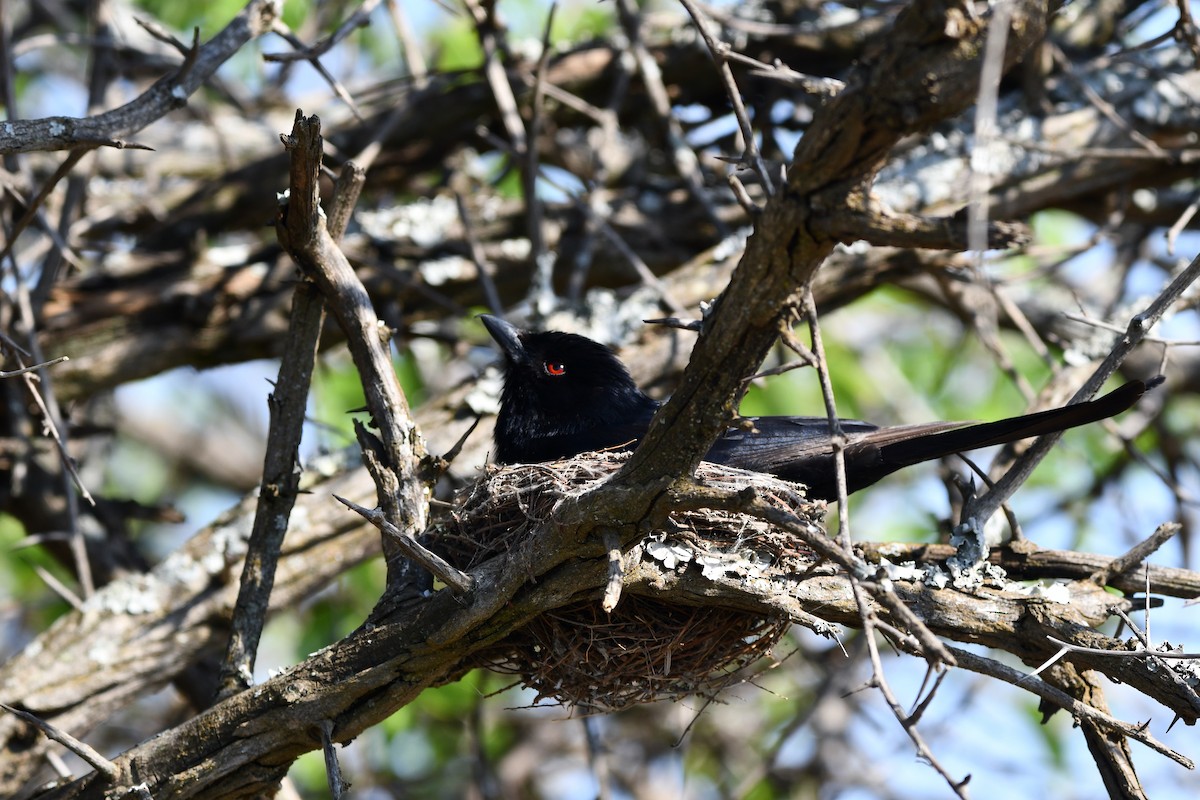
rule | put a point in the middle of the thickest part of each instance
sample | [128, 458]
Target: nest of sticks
[645, 649]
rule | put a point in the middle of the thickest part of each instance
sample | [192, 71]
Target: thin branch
[530, 156]
[1137, 554]
[986, 129]
[482, 268]
[456, 579]
[281, 30]
[333, 770]
[907, 722]
[1108, 326]
[683, 156]
[163, 35]
[34, 367]
[981, 510]
[33, 206]
[85, 751]
[58, 587]
[409, 45]
[168, 93]
[1142, 654]
[1103, 106]
[719, 51]
[1186, 30]
[1052, 694]
[818, 86]
[361, 18]
[397, 464]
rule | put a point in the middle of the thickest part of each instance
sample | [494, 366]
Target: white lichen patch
[671, 554]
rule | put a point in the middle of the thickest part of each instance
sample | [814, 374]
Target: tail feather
[959, 440]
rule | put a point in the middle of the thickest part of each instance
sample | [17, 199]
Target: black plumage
[565, 394]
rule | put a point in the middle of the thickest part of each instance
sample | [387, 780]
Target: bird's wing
[775, 442]
[554, 444]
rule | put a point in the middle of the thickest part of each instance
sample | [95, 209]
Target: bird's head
[557, 373]
[563, 394]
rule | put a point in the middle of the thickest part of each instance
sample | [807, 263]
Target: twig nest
[645, 649]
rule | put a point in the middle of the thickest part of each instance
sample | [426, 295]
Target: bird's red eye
[555, 368]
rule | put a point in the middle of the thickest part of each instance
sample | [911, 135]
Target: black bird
[565, 394]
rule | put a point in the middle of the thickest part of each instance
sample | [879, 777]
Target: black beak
[508, 336]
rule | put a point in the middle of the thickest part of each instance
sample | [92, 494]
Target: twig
[409, 45]
[529, 171]
[490, 294]
[1137, 554]
[51, 420]
[643, 271]
[909, 723]
[693, 325]
[1186, 31]
[459, 581]
[32, 368]
[923, 640]
[451, 454]
[281, 30]
[58, 587]
[333, 770]
[361, 18]
[497, 79]
[1180, 224]
[397, 467]
[986, 129]
[523, 143]
[817, 86]
[1141, 654]
[1102, 105]
[1052, 694]
[85, 751]
[33, 206]
[53, 431]
[837, 437]
[1084, 319]
[683, 156]
[162, 34]
[720, 51]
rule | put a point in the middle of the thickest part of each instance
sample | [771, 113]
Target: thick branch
[1170, 581]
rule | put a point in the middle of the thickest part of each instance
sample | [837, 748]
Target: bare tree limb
[170, 92]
